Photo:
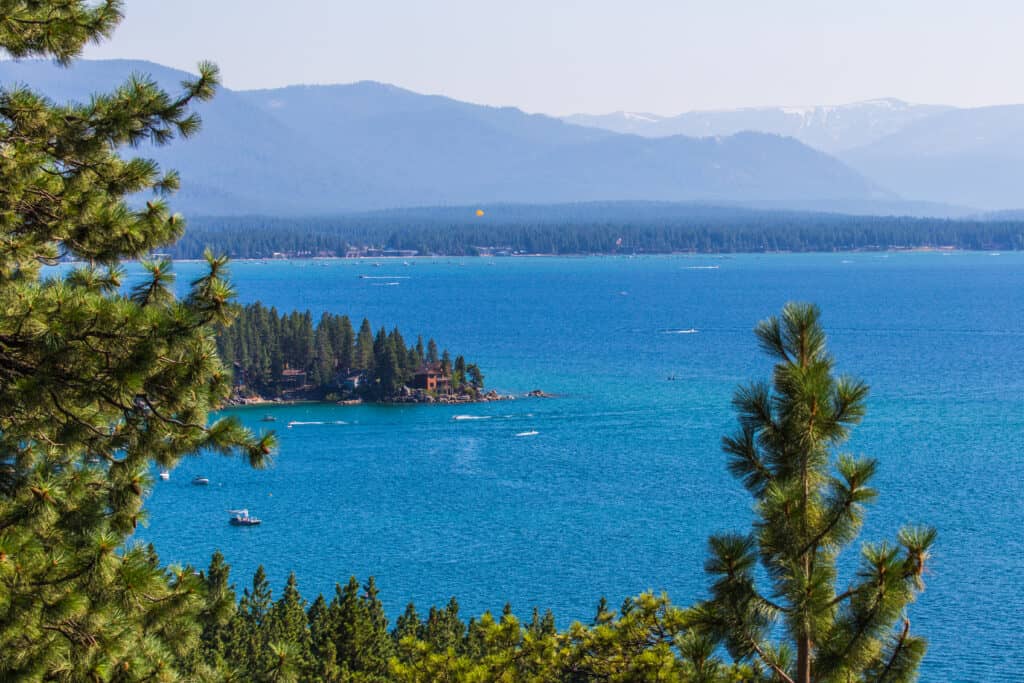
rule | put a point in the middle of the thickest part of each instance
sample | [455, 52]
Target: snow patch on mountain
[830, 128]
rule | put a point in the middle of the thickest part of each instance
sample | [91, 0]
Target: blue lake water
[624, 480]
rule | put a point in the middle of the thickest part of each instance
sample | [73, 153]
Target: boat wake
[691, 330]
[301, 423]
[529, 433]
[460, 418]
[701, 267]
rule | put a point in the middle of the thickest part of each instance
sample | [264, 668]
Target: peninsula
[288, 357]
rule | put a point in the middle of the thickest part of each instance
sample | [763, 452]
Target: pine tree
[459, 374]
[380, 646]
[325, 353]
[216, 615]
[475, 376]
[809, 504]
[408, 625]
[286, 628]
[420, 357]
[444, 629]
[96, 384]
[345, 343]
[364, 347]
[354, 633]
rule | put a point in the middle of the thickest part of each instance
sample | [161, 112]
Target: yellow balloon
[479, 212]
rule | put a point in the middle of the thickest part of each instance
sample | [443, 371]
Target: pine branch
[897, 650]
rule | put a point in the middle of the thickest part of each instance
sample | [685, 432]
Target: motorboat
[268, 418]
[242, 518]
[164, 475]
[200, 480]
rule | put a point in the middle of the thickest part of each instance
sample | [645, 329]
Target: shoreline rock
[407, 397]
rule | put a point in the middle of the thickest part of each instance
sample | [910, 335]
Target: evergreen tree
[420, 357]
[475, 376]
[459, 373]
[286, 627]
[444, 629]
[345, 343]
[220, 608]
[809, 504]
[354, 633]
[407, 625]
[432, 356]
[96, 384]
[364, 347]
[324, 355]
[321, 633]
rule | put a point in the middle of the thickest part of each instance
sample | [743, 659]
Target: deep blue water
[625, 479]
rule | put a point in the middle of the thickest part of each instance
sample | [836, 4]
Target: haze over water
[625, 479]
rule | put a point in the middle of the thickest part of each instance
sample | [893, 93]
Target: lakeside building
[292, 378]
[431, 377]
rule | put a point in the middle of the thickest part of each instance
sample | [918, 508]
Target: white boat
[242, 518]
[200, 480]
[164, 475]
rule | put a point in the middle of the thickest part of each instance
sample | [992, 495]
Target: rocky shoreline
[411, 396]
[420, 396]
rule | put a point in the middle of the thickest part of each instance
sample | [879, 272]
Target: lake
[624, 479]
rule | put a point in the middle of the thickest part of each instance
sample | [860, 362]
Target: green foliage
[262, 344]
[96, 385]
[809, 503]
[591, 228]
[348, 639]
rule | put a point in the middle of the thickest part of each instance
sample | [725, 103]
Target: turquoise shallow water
[624, 480]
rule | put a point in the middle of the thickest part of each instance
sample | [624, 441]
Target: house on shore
[292, 378]
[351, 381]
[431, 377]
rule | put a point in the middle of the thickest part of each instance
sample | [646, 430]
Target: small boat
[200, 480]
[268, 418]
[242, 518]
[164, 475]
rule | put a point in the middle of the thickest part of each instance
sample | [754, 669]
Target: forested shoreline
[276, 355]
[615, 228]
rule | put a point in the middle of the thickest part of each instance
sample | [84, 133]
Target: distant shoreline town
[630, 228]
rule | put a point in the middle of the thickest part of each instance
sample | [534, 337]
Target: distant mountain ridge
[928, 153]
[306, 150]
[829, 128]
[964, 156]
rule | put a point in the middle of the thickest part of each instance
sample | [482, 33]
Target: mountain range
[831, 129]
[933, 153]
[330, 149]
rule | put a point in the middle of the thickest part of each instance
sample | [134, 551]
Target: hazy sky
[564, 56]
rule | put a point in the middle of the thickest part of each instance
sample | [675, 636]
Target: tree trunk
[803, 644]
[803, 660]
